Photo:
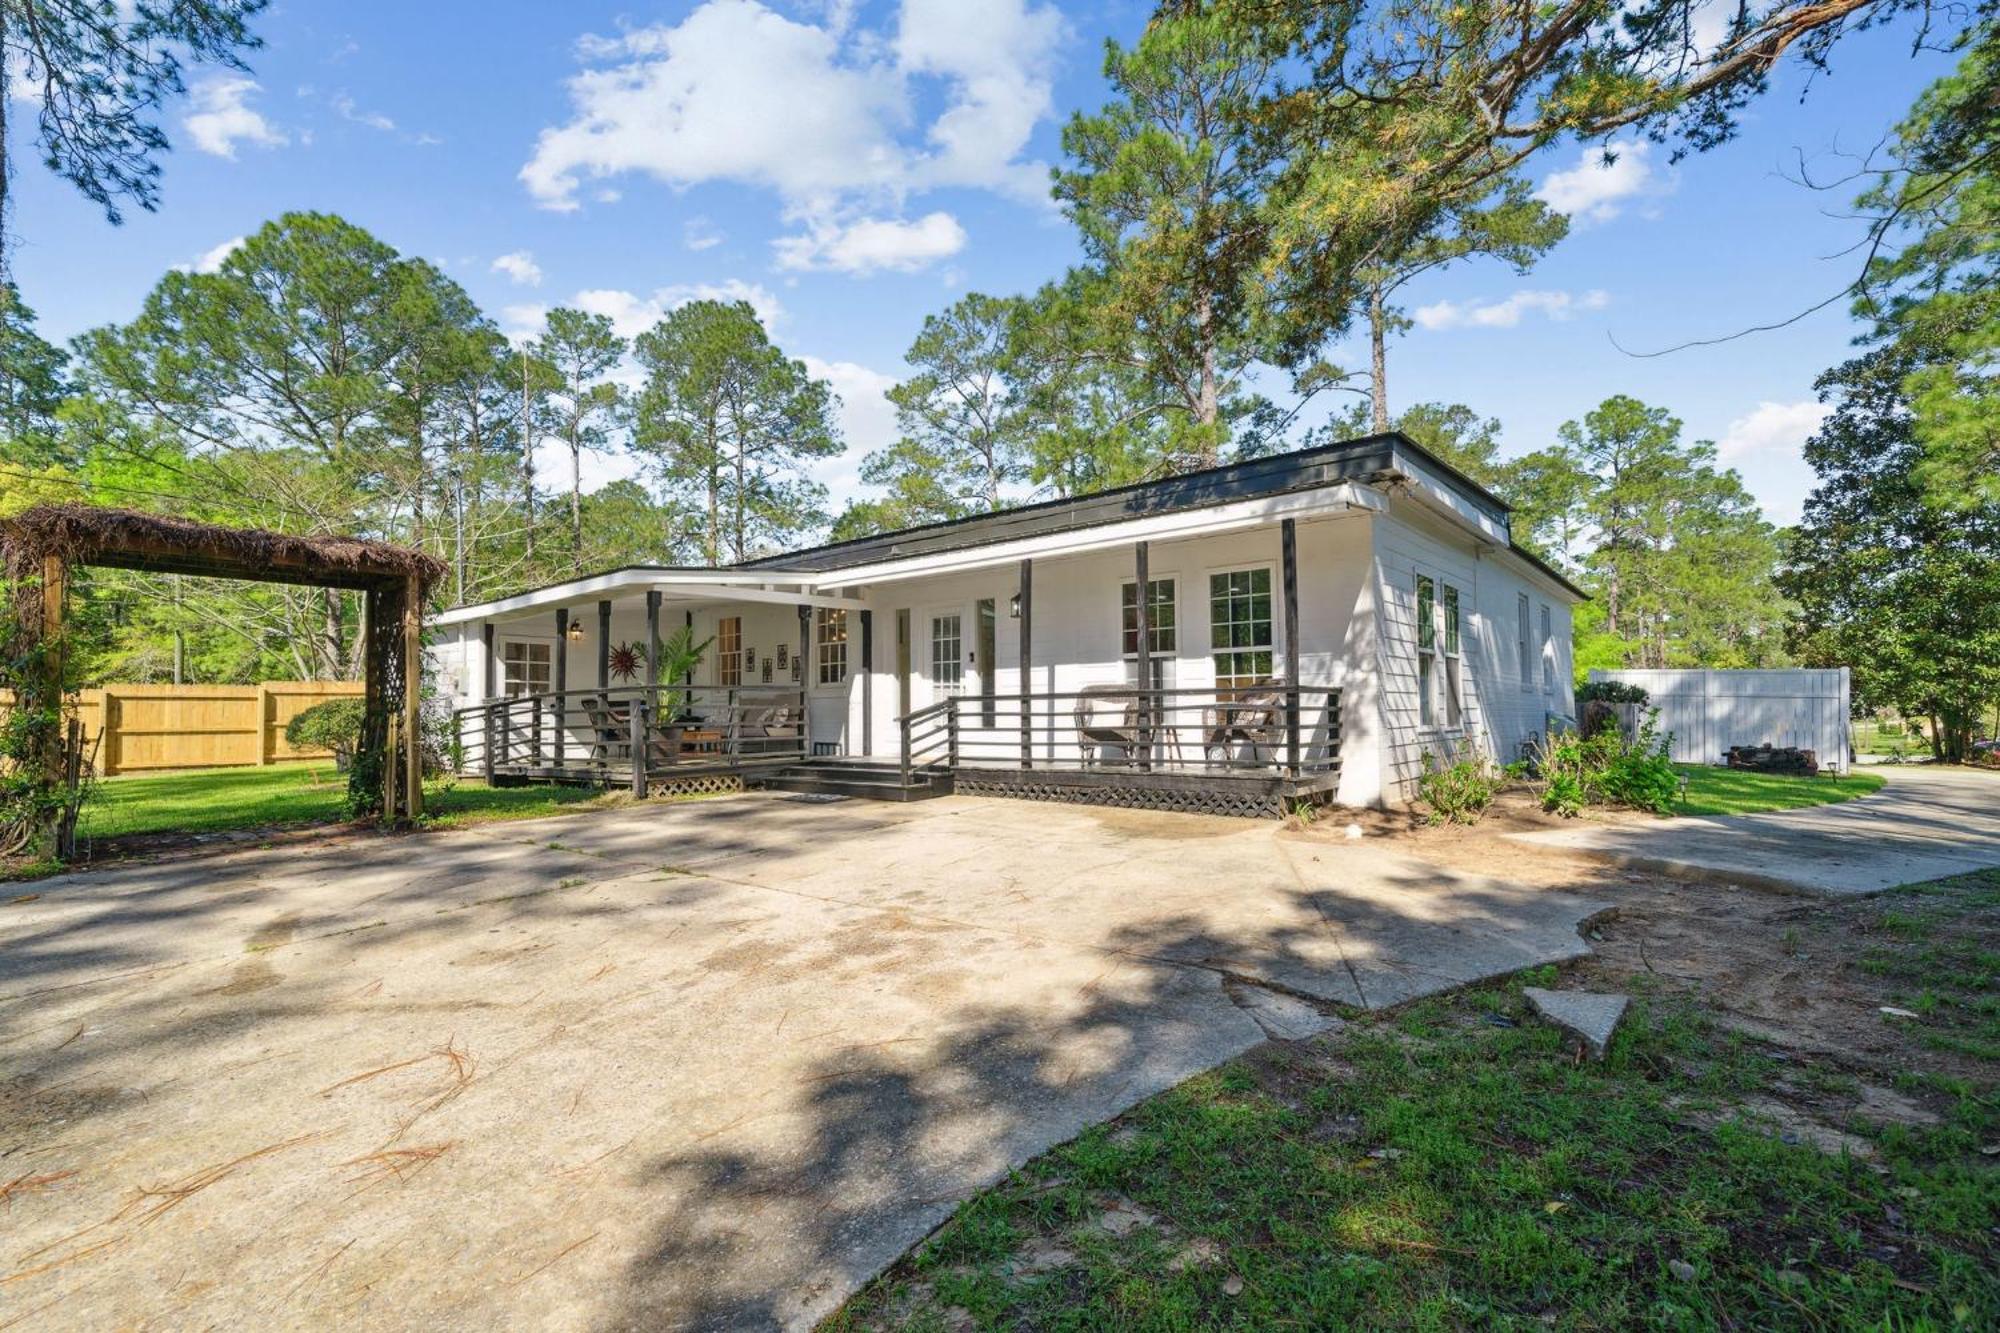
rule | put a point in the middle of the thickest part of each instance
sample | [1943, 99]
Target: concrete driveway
[1925, 823]
[703, 1065]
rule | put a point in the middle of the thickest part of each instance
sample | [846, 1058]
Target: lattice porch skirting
[697, 784]
[1253, 798]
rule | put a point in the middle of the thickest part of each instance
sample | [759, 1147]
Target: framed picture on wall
[767, 671]
[781, 657]
[798, 676]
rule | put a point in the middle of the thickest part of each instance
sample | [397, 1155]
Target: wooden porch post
[687, 677]
[486, 663]
[604, 645]
[652, 638]
[413, 695]
[805, 678]
[1143, 650]
[560, 681]
[1027, 664]
[1288, 542]
[867, 682]
[488, 736]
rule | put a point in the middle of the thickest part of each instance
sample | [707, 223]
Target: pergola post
[1288, 543]
[55, 580]
[1027, 663]
[413, 693]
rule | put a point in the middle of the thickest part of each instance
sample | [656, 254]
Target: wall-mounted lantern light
[1014, 605]
[576, 629]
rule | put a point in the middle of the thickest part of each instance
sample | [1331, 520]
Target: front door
[947, 656]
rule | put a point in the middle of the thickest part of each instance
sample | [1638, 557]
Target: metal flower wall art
[627, 660]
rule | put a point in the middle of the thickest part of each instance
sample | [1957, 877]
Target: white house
[1316, 621]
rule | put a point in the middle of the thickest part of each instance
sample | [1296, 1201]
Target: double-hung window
[1454, 693]
[1162, 633]
[1427, 668]
[729, 651]
[524, 667]
[830, 639]
[1527, 661]
[1239, 627]
[1548, 654]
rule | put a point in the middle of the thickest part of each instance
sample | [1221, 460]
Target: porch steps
[867, 780]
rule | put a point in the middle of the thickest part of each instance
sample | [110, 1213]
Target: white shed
[1708, 711]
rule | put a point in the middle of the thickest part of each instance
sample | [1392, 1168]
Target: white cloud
[869, 245]
[374, 120]
[842, 123]
[701, 234]
[1508, 313]
[210, 261]
[520, 266]
[222, 117]
[867, 422]
[1597, 190]
[1768, 428]
[1767, 445]
[631, 314]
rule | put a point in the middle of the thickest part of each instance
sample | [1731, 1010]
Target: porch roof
[673, 583]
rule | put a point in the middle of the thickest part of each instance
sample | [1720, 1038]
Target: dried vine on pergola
[40, 546]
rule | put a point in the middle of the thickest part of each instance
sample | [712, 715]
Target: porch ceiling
[627, 587]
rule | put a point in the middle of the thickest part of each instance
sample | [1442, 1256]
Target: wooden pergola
[40, 546]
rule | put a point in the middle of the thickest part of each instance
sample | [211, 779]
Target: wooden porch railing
[1273, 728]
[629, 732]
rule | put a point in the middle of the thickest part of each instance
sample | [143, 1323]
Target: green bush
[1611, 692]
[1606, 769]
[334, 725]
[1458, 792]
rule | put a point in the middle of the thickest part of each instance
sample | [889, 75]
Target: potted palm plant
[677, 656]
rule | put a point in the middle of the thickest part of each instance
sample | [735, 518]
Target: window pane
[1451, 620]
[1426, 710]
[947, 657]
[1426, 613]
[1239, 614]
[729, 651]
[830, 637]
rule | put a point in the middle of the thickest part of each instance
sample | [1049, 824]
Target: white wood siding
[1501, 707]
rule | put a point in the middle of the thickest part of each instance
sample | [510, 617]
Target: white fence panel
[1709, 711]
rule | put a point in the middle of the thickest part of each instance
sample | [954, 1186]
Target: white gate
[1709, 711]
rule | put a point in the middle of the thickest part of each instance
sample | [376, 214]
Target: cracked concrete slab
[1925, 823]
[700, 1065]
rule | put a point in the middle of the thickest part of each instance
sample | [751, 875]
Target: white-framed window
[830, 644]
[1548, 654]
[1454, 660]
[525, 666]
[729, 651]
[1239, 626]
[1162, 630]
[948, 655]
[1427, 667]
[1527, 662]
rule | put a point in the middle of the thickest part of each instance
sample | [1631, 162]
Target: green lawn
[1451, 1166]
[215, 799]
[1727, 791]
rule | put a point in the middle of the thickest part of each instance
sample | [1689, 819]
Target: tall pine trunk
[1378, 358]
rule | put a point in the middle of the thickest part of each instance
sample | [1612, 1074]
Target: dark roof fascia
[1366, 459]
[1548, 569]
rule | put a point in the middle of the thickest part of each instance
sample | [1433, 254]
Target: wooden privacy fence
[156, 728]
[1708, 711]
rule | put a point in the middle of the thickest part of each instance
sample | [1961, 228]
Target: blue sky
[851, 168]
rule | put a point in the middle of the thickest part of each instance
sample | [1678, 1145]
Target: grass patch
[1729, 791]
[1453, 1166]
[216, 800]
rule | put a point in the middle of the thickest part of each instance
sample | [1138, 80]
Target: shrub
[1611, 692]
[334, 725]
[1458, 792]
[1606, 769]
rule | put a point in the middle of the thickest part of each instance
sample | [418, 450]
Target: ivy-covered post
[54, 578]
